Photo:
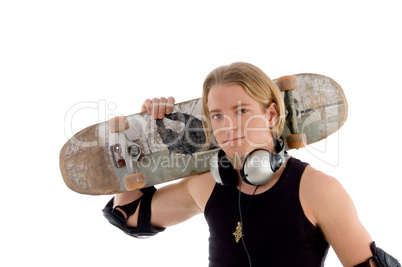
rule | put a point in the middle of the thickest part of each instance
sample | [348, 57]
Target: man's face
[239, 123]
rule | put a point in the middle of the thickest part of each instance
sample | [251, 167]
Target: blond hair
[256, 84]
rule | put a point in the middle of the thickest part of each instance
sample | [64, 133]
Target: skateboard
[136, 151]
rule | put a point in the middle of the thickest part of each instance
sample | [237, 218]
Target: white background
[56, 56]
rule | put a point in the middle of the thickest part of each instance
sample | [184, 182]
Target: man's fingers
[147, 106]
[155, 107]
[162, 107]
[169, 104]
[158, 107]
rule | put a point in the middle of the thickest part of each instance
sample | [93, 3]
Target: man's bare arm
[328, 206]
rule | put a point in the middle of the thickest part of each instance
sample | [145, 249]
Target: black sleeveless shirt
[275, 228]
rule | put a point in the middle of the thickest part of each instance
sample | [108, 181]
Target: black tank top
[276, 230]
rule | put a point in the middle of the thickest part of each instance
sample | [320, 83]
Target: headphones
[258, 168]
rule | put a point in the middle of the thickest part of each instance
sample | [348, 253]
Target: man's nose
[230, 123]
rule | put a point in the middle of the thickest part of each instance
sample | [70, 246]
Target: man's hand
[158, 106]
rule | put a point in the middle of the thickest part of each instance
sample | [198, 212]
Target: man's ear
[272, 114]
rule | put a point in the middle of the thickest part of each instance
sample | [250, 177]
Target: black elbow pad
[144, 228]
[382, 258]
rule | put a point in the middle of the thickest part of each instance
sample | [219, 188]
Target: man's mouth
[233, 140]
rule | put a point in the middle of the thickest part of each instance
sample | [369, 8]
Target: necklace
[238, 234]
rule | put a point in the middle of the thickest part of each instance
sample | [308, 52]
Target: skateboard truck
[133, 151]
[125, 153]
[295, 140]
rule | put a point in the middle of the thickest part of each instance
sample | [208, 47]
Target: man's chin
[236, 159]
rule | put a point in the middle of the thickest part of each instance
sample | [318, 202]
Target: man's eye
[216, 116]
[242, 111]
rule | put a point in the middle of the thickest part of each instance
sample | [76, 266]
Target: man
[290, 220]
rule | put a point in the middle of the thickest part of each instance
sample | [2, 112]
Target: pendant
[238, 234]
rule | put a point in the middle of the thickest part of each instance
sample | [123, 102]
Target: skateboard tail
[84, 164]
[321, 108]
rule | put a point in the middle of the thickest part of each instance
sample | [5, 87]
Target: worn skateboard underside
[91, 162]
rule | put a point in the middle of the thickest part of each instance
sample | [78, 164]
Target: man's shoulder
[202, 178]
[318, 191]
[318, 180]
[200, 187]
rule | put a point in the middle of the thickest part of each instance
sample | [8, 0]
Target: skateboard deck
[137, 151]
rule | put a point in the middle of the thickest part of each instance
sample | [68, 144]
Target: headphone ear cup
[222, 170]
[257, 168]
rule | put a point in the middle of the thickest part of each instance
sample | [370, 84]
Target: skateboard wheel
[287, 83]
[296, 141]
[134, 181]
[118, 124]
